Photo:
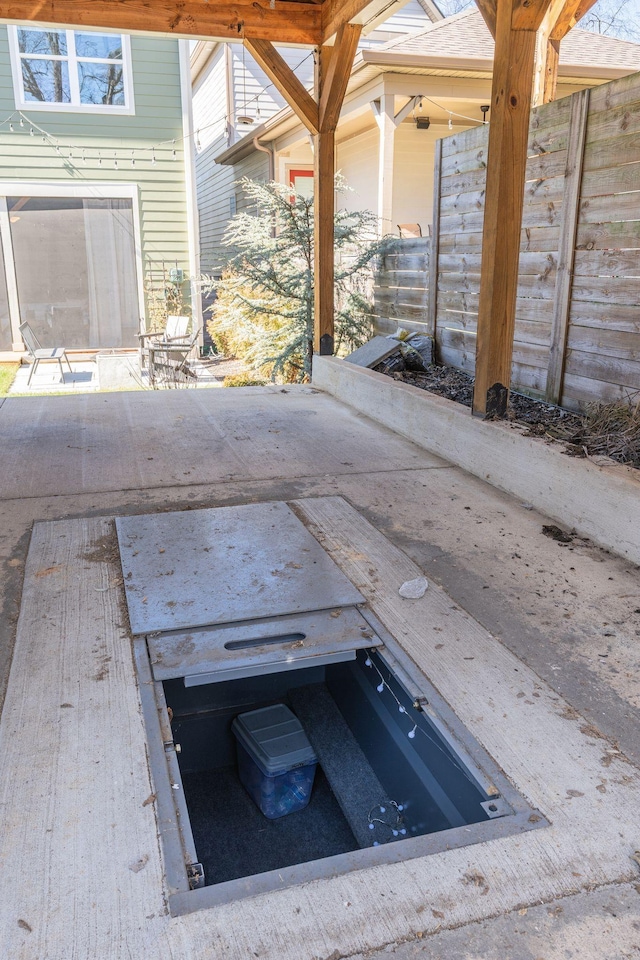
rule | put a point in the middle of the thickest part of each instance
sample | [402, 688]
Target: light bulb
[400, 807]
[380, 687]
[401, 709]
[367, 662]
[412, 733]
[395, 833]
[11, 127]
[383, 809]
[371, 826]
[403, 831]
[450, 122]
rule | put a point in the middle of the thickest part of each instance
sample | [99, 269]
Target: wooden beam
[557, 22]
[334, 85]
[528, 14]
[571, 14]
[285, 80]
[335, 13]
[488, 10]
[290, 22]
[506, 163]
[567, 244]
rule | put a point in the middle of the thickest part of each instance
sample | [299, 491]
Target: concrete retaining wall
[598, 501]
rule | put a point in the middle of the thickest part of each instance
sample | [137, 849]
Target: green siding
[158, 117]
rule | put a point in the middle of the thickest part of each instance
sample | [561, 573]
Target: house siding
[216, 184]
[158, 117]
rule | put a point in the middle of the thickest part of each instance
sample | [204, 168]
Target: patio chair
[37, 352]
[169, 361]
[175, 331]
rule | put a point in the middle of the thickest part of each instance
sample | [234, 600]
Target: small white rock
[414, 589]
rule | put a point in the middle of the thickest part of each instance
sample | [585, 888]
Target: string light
[115, 160]
[411, 734]
[389, 815]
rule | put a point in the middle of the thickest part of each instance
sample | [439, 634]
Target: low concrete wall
[598, 501]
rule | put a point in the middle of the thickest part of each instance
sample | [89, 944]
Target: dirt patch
[604, 429]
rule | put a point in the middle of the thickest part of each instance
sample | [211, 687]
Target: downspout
[269, 152]
[272, 167]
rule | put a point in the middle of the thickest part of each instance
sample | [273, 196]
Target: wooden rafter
[285, 80]
[561, 16]
[337, 12]
[488, 10]
[571, 14]
[337, 77]
[289, 21]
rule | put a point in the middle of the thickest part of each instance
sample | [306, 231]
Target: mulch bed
[604, 429]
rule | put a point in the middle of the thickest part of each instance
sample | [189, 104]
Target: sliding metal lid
[225, 565]
[211, 654]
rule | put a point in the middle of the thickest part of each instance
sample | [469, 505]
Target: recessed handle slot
[263, 641]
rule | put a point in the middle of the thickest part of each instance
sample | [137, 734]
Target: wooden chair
[169, 361]
[38, 353]
[175, 331]
[409, 230]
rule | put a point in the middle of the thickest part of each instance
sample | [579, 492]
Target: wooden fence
[577, 334]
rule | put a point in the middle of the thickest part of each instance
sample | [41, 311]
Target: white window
[71, 70]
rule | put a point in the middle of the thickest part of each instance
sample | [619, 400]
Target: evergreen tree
[264, 305]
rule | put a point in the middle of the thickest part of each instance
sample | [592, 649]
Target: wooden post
[567, 244]
[333, 68]
[506, 164]
[324, 206]
[434, 248]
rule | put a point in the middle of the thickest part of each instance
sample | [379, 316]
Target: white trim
[9, 267]
[193, 229]
[82, 191]
[127, 109]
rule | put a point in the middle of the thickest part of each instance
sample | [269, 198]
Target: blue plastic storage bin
[276, 762]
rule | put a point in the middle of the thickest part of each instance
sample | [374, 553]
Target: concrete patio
[116, 371]
[550, 685]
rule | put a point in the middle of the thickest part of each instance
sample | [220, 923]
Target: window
[71, 70]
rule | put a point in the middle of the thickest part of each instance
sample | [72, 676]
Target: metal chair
[38, 352]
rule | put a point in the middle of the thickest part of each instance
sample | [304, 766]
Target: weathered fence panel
[401, 289]
[577, 333]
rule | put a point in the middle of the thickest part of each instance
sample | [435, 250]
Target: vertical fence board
[435, 242]
[566, 252]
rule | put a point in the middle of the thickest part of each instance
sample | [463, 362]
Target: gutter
[384, 58]
[269, 152]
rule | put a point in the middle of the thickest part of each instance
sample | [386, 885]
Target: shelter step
[354, 784]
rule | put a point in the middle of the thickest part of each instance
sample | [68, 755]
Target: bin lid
[274, 737]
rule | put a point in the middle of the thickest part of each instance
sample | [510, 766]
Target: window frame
[73, 61]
